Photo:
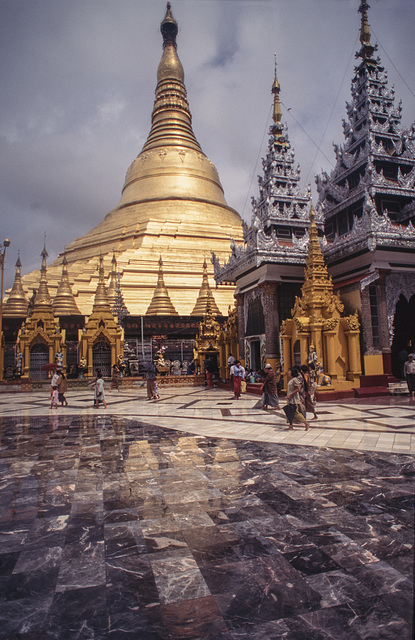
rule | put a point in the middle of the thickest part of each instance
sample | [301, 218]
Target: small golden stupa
[161, 305]
[172, 204]
[64, 302]
[318, 327]
[16, 304]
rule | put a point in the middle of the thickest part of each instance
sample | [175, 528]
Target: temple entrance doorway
[101, 357]
[255, 355]
[39, 355]
[403, 334]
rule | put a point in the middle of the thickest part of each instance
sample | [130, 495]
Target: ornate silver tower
[369, 206]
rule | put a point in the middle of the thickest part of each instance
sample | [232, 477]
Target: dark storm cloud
[78, 82]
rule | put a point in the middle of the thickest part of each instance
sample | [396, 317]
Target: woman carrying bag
[269, 388]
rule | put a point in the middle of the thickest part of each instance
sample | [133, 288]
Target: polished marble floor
[200, 517]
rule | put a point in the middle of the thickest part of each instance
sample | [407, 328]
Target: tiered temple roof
[279, 226]
[369, 197]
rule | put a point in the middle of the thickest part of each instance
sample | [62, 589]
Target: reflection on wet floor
[111, 528]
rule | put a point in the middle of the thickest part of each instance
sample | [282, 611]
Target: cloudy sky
[77, 90]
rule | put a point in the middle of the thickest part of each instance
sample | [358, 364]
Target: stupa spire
[101, 302]
[16, 304]
[317, 297]
[113, 281]
[205, 295]
[171, 118]
[316, 268]
[42, 296]
[161, 305]
[64, 302]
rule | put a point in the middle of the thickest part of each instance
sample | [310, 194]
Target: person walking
[62, 389]
[293, 407]
[99, 391]
[409, 373]
[151, 372]
[269, 389]
[54, 394]
[238, 375]
[306, 395]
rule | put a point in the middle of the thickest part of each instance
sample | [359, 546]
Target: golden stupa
[172, 205]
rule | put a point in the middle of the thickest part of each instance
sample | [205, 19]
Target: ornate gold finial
[276, 115]
[161, 305]
[16, 304]
[367, 48]
[169, 28]
[64, 302]
[277, 127]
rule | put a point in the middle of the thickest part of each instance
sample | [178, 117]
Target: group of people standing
[301, 390]
[301, 398]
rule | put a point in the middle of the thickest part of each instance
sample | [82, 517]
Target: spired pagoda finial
[205, 296]
[171, 119]
[64, 302]
[276, 114]
[16, 304]
[161, 305]
[367, 48]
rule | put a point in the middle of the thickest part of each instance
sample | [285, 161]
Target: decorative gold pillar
[227, 352]
[26, 362]
[90, 361]
[330, 366]
[352, 332]
[303, 347]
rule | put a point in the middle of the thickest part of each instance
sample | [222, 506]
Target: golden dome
[172, 204]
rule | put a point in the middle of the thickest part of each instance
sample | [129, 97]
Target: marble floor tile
[171, 527]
